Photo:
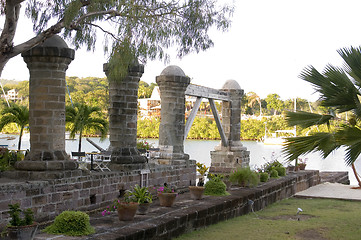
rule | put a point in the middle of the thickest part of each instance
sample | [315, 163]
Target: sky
[267, 46]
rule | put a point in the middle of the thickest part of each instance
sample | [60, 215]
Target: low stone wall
[83, 190]
[187, 214]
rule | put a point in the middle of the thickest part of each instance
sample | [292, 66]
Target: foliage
[281, 171]
[274, 103]
[204, 128]
[274, 173]
[339, 90]
[202, 170]
[15, 114]
[145, 90]
[138, 29]
[244, 177]
[15, 214]
[71, 223]
[81, 117]
[263, 176]
[139, 195]
[91, 91]
[215, 187]
[148, 128]
[166, 189]
[9, 158]
[143, 144]
[269, 166]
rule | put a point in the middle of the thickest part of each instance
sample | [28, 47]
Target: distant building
[150, 107]
[11, 95]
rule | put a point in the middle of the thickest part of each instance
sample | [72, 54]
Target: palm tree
[18, 115]
[82, 117]
[252, 99]
[339, 90]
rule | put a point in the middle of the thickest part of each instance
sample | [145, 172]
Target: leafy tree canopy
[133, 29]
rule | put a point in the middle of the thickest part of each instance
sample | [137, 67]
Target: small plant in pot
[126, 207]
[166, 195]
[142, 196]
[22, 228]
[196, 192]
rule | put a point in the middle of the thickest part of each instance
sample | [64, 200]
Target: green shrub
[71, 223]
[274, 173]
[215, 188]
[263, 177]
[281, 171]
[272, 165]
[15, 212]
[244, 177]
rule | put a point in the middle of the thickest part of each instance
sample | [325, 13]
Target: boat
[278, 137]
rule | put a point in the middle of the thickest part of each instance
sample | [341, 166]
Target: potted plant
[196, 192]
[166, 195]
[126, 207]
[301, 164]
[22, 228]
[143, 197]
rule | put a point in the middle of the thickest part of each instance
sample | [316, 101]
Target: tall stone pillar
[47, 64]
[123, 110]
[172, 84]
[227, 158]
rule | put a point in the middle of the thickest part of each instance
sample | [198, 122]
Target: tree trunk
[20, 137]
[356, 175]
[80, 135]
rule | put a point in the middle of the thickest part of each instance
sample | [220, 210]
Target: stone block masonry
[187, 215]
[81, 190]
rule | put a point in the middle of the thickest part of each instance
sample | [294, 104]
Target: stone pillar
[47, 65]
[227, 158]
[123, 110]
[172, 84]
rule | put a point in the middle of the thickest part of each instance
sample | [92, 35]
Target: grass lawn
[320, 219]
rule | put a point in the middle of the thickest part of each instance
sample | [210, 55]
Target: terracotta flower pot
[167, 199]
[22, 232]
[143, 208]
[196, 192]
[126, 211]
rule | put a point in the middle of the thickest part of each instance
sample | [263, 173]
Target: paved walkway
[332, 191]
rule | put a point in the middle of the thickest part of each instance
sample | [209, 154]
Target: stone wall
[85, 191]
[187, 215]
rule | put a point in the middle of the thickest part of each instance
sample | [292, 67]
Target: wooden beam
[192, 116]
[218, 122]
[205, 92]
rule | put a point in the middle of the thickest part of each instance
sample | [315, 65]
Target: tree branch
[55, 29]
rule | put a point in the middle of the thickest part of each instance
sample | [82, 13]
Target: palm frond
[350, 136]
[306, 119]
[334, 86]
[298, 146]
[352, 58]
